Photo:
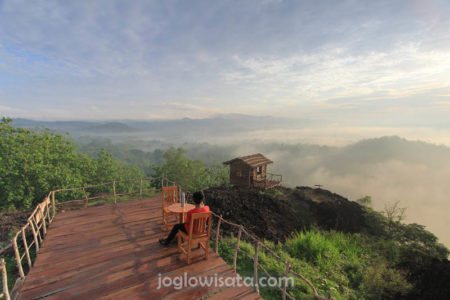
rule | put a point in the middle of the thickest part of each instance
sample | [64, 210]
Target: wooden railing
[42, 216]
[37, 223]
[270, 181]
[257, 245]
[5, 293]
[44, 213]
[275, 177]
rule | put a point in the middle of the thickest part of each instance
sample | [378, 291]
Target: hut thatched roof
[253, 160]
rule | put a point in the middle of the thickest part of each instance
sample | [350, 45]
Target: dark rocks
[276, 213]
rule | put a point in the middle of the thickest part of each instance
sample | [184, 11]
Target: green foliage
[192, 175]
[365, 201]
[347, 265]
[34, 162]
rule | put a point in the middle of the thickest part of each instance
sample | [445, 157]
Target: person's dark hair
[198, 197]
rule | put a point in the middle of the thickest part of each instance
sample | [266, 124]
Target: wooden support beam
[36, 242]
[114, 191]
[44, 223]
[18, 259]
[4, 279]
[236, 248]
[53, 204]
[217, 234]
[25, 245]
[255, 266]
[86, 199]
[38, 229]
[286, 274]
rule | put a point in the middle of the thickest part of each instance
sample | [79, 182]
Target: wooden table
[176, 208]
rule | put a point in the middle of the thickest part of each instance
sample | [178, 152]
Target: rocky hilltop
[276, 213]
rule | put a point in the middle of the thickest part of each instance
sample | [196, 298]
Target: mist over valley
[388, 168]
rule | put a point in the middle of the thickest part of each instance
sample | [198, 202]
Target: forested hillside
[34, 162]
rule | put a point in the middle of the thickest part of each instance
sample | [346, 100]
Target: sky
[366, 62]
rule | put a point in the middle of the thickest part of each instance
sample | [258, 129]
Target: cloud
[278, 57]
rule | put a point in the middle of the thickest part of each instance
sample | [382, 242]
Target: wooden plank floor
[113, 253]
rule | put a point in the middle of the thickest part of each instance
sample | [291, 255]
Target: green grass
[343, 264]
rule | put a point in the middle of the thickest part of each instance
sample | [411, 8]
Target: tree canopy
[191, 174]
[36, 161]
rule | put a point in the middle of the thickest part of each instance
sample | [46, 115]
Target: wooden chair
[169, 197]
[198, 235]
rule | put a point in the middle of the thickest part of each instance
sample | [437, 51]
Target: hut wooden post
[114, 192]
[25, 245]
[140, 190]
[236, 248]
[17, 255]
[86, 199]
[4, 279]
[217, 234]
[34, 235]
[286, 275]
[255, 267]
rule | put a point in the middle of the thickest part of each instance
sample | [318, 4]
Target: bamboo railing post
[25, 245]
[140, 190]
[114, 191]
[38, 230]
[85, 197]
[44, 224]
[47, 209]
[217, 234]
[53, 204]
[4, 279]
[255, 267]
[17, 255]
[162, 181]
[286, 275]
[236, 248]
[34, 235]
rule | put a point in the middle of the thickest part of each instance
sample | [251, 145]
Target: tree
[365, 201]
[191, 174]
[33, 162]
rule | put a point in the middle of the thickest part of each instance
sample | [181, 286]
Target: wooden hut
[251, 171]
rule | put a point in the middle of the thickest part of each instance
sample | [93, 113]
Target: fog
[388, 169]
[353, 161]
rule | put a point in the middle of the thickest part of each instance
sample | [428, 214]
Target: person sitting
[199, 208]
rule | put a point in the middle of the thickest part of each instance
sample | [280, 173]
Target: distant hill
[112, 127]
[174, 129]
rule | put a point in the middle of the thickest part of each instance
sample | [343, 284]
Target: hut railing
[270, 181]
[258, 245]
[275, 177]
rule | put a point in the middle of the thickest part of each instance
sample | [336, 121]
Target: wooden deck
[113, 253]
